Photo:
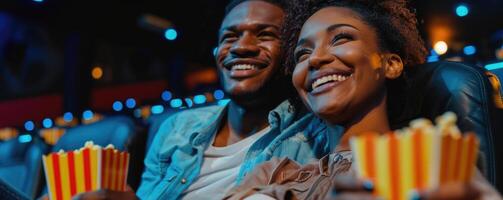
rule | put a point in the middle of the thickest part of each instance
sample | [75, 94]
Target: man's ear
[215, 51]
[393, 65]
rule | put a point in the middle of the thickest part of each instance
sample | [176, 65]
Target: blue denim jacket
[176, 154]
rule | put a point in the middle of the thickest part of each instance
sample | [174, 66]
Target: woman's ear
[393, 65]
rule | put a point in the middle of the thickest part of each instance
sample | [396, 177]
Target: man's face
[249, 48]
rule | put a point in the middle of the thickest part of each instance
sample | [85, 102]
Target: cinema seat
[117, 130]
[434, 88]
[21, 165]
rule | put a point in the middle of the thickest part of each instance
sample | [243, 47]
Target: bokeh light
[441, 47]
[97, 73]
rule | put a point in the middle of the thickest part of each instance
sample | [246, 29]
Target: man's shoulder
[190, 119]
[199, 112]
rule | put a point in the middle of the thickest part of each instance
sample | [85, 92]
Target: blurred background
[75, 56]
[65, 64]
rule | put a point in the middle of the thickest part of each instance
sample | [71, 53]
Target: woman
[344, 54]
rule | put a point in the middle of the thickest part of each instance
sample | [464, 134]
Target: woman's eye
[341, 38]
[301, 55]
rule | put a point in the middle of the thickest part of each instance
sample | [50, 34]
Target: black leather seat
[21, 166]
[118, 130]
[431, 89]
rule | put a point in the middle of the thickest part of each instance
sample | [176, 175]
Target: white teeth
[328, 78]
[243, 67]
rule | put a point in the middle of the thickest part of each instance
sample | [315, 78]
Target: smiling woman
[342, 54]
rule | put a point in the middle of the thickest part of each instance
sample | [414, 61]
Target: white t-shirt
[220, 169]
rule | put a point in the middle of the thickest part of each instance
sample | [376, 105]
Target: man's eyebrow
[336, 26]
[258, 27]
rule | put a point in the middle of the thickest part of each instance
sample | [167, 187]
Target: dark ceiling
[197, 22]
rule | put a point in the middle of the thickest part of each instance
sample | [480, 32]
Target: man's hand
[107, 194]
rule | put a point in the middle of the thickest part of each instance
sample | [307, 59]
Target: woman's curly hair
[394, 23]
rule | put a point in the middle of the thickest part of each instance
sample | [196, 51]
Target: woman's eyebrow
[336, 26]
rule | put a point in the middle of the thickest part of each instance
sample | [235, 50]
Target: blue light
[29, 125]
[170, 34]
[117, 106]
[494, 66]
[68, 117]
[199, 99]
[157, 109]
[175, 103]
[223, 102]
[189, 102]
[47, 123]
[39, 1]
[130, 103]
[433, 57]
[166, 95]
[24, 138]
[137, 113]
[218, 94]
[462, 10]
[470, 50]
[87, 115]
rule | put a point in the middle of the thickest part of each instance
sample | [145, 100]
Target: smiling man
[201, 153]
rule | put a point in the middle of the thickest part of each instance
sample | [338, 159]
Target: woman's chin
[330, 114]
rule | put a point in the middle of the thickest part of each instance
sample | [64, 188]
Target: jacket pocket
[171, 173]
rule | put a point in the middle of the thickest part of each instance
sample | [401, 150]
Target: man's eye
[267, 35]
[228, 37]
[341, 38]
[301, 55]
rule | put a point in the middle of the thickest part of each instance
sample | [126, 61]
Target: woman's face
[339, 68]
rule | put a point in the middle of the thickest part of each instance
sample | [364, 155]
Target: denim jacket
[176, 154]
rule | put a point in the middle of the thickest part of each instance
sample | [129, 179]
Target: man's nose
[319, 58]
[246, 46]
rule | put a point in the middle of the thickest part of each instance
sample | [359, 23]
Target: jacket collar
[280, 117]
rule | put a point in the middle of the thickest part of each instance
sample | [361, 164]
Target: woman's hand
[478, 188]
[348, 187]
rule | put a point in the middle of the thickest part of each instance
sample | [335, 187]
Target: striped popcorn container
[89, 168]
[420, 157]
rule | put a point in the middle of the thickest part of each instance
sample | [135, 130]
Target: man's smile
[244, 68]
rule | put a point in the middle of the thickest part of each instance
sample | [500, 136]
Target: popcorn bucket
[86, 169]
[416, 158]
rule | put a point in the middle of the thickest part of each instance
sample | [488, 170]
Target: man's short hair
[233, 3]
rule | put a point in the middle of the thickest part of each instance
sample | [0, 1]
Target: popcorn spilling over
[422, 156]
[89, 168]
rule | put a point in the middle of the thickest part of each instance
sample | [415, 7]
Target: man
[201, 153]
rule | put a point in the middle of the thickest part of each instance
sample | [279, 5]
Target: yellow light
[499, 54]
[440, 47]
[97, 73]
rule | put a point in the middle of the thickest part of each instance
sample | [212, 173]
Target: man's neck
[241, 122]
